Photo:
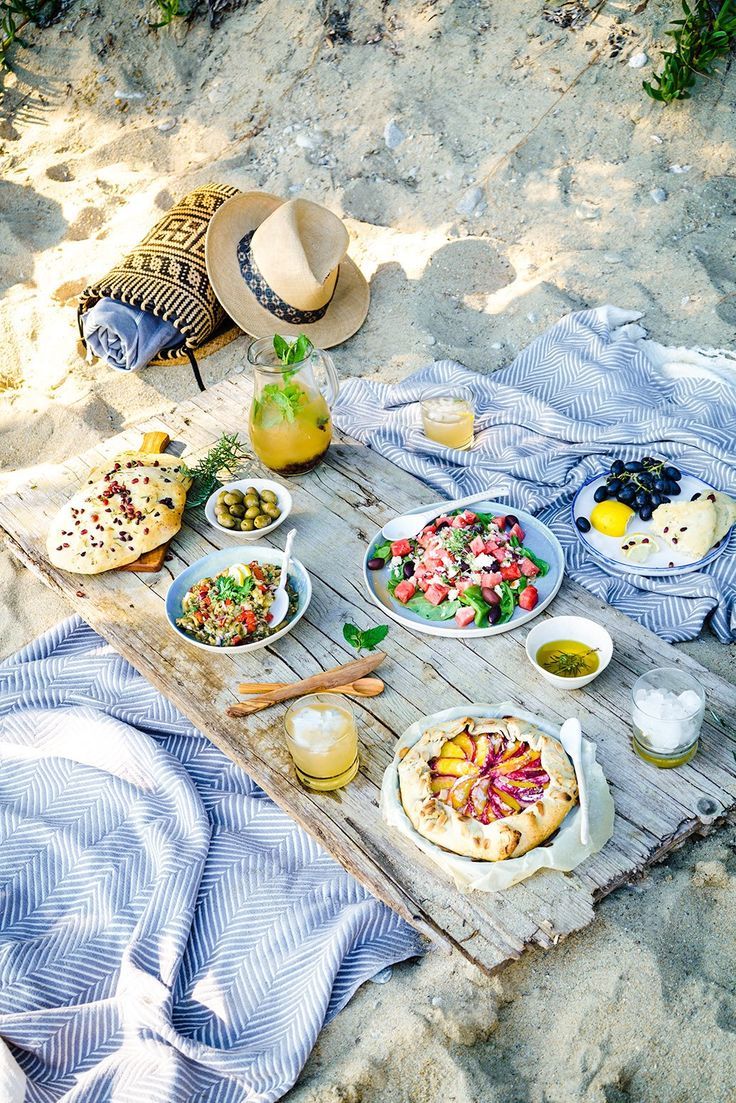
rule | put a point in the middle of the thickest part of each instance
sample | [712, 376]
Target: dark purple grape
[601, 494]
[494, 612]
[408, 569]
[660, 485]
[648, 461]
[633, 466]
[665, 500]
[614, 485]
[490, 596]
[646, 513]
[583, 524]
[672, 473]
[642, 499]
[646, 480]
[511, 520]
[695, 497]
[674, 488]
[617, 467]
[627, 495]
[376, 563]
[656, 500]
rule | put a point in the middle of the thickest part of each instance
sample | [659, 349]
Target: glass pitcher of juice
[290, 423]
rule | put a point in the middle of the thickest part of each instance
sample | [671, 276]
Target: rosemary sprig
[226, 457]
[568, 665]
[700, 39]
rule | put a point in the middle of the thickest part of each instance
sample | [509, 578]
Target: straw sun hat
[281, 266]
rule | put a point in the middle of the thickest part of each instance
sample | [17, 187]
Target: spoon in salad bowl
[409, 524]
[571, 737]
[280, 604]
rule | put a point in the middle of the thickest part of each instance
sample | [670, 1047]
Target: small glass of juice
[448, 417]
[322, 738]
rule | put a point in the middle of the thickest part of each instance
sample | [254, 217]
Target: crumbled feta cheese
[395, 561]
[452, 594]
[481, 562]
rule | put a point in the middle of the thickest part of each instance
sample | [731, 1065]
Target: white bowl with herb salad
[221, 602]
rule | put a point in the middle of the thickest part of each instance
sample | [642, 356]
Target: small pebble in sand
[166, 124]
[679, 169]
[587, 211]
[431, 340]
[124, 94]
[659, 195]
[638, 61]
[656, 138]
[308, 141]
[393, 135]
[472, 202]
[497, 345]
[613, 258]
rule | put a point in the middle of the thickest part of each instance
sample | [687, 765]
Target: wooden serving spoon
[362, 687]
[328, 679]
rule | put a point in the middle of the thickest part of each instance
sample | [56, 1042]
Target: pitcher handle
[333, 379]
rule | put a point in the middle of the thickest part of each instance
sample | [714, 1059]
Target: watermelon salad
[466, 566]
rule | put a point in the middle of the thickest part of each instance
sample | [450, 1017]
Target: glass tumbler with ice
[323, 740]
[668, 705]
[448, 417]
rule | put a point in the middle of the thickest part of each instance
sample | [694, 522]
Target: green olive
[268, 496]
[262, 520]
[246, 525]
[272, 510]
[237, 511]
[221, 499]
[227, 521]
[251, 492]
[252, 500]
[220, 513]
[233, 498]
[252, 511]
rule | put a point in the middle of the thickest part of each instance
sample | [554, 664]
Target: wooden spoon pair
[336, 680]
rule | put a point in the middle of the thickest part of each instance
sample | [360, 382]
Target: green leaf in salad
[382, 551]
[473, 597]
[227, 587]
[367, 640]
[508, 603]
[419, 604]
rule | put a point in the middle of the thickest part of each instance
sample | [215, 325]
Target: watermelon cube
[528, 598]
[405, 591]
[517, 531]
[464, 616]
[400, 548]
[491, 578]
[477, 545]
[510, 573]
[528, 569]
[499, 554]
[500, 522]
[437, 593]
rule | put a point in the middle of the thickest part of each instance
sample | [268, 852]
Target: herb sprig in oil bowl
[569, 652]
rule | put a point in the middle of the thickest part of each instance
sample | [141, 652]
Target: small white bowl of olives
[248, 508]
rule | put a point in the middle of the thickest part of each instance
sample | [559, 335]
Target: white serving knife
[571, 737]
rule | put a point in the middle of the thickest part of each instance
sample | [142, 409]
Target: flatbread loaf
[488, 789]
[115, 519]
[725, 514]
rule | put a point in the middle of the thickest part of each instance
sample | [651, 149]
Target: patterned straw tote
[166, 275]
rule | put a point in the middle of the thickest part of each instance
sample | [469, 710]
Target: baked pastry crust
[543, 797]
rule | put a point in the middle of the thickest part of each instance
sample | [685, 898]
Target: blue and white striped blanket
[167, 934]
[586, 390]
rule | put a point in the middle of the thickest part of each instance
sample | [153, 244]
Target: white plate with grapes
[615, 517]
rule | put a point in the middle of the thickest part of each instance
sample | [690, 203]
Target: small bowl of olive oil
[569, 651]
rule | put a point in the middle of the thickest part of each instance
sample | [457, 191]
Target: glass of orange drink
[322, 738]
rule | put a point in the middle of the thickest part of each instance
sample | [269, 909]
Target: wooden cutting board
[151, 561]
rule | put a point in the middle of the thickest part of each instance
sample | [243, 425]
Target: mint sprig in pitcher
[295, 386]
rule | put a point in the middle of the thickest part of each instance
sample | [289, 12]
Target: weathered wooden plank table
[336, 508]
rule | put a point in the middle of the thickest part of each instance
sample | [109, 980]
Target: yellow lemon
[638, 546]
[611, 518]
[239, 571]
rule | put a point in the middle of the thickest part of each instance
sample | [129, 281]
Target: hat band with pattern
[265, 294]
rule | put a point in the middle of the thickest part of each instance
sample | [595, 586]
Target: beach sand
[495, 170]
